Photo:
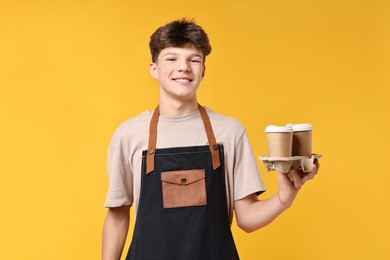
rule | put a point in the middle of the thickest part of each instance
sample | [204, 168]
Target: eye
[196, 60]
[170, 59]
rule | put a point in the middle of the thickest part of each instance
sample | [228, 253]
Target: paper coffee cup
[302, 140]
[279, 140]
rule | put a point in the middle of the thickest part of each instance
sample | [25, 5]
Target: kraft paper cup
[302, 140]
[279, 140]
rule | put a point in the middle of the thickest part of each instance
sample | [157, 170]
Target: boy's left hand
[291, 182]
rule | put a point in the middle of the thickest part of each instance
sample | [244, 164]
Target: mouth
[182, 80]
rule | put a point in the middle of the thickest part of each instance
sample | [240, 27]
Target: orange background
[72, 71]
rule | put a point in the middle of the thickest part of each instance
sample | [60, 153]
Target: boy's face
[179, 71]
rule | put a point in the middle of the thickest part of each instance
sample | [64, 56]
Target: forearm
[253, 214]
[115, 231]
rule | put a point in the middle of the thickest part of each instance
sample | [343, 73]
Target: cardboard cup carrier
[289, 147]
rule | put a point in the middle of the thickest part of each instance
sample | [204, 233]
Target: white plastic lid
[302, 127]
[278, 129]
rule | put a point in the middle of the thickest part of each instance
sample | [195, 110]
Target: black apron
[182, 212]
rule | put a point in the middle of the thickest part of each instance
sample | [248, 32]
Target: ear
[153, 70]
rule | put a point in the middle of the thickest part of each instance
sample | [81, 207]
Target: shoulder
[133, 124]
[133, 127]
[224, 122]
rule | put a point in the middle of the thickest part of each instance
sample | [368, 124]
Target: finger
[317, 163]
[283, 176]
[308, 177]
[290, 177]
[286, 178]
[301, 173]
[314, 168]
[297, 181]
[311, 174]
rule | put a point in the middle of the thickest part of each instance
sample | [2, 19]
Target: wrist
[284, 203]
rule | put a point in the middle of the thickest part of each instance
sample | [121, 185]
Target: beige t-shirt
[131, 138]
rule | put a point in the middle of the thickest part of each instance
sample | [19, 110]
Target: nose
[183, 66]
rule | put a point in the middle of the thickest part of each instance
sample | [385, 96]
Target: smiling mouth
[182, 80]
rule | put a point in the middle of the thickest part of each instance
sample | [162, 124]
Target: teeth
[182, 80]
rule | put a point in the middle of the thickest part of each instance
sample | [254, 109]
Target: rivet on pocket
[184, 180]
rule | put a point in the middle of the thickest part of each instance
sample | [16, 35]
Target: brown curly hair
[179, 33]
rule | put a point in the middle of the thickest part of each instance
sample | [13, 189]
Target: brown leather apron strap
[210, 137]
[153, 138]
[152, 141]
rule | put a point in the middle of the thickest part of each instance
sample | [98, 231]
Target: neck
[177, 108]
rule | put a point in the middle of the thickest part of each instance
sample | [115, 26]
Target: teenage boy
[184, 167]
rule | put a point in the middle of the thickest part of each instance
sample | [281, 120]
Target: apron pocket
[184, 188]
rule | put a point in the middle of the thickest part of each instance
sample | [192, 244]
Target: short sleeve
[247, 179]
[120, 190]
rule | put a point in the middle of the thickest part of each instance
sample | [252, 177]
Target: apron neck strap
[153, 138]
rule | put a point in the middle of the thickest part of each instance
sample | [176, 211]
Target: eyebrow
[170, 53]
[174, 53]
[198, 55]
